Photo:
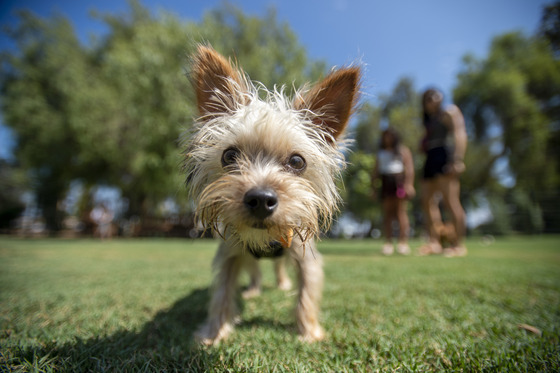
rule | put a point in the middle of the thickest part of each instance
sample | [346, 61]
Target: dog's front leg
[222, 310]
[310, 272]
[255, 277]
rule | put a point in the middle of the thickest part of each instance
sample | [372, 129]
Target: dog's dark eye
[230, 156]
[296, 163]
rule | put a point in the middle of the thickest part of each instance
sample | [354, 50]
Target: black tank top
[436, 132]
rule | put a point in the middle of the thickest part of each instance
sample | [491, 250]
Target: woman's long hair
[396, 139]
[427, 94]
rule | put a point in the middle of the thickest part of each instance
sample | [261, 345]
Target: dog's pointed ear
[333, 100]
[219, 85]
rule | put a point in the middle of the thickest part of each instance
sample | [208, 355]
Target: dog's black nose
[261, 202]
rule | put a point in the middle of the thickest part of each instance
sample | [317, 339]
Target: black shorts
[436, 160]
[392, 185]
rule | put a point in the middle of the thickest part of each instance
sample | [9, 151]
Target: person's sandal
[453, 252]
[403, 249]
[387, 249]
[429, 249]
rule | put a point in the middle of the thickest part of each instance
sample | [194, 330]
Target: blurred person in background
[445, 143]
[102, 216]
[394, 173]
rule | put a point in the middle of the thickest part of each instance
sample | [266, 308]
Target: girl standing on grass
[395, 168]
[445, 144]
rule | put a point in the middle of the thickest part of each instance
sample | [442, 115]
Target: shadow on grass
[164, 344]
[267, 323]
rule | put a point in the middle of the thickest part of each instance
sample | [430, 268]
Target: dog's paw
[209, 336]
[204, 341]
[251, 293]
[203, 337]
[315, 334]
[285, 285]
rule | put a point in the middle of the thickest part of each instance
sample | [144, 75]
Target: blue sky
[422, 39]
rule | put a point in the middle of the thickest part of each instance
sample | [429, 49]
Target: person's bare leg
[432, 217]
[451, 196]
[404, 227]
[388, 217]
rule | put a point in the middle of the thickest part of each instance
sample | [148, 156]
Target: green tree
[12, 185]
[142, 107]
[550, 26]
[510, 102]
[112, 113]
[39, 85]
[400, 110]
[357, 191]
[267, 49]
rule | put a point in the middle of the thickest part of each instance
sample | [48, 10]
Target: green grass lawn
[133, 305]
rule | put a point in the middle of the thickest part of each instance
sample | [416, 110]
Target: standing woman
[445, 144]
[395, 168]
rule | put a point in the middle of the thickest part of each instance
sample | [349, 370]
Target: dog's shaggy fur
[446, 234]
[262, 173]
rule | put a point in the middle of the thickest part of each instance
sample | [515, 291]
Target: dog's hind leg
[282, 280]
[222, 309]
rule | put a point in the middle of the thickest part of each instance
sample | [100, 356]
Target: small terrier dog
[261, 169]
[446, 233]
